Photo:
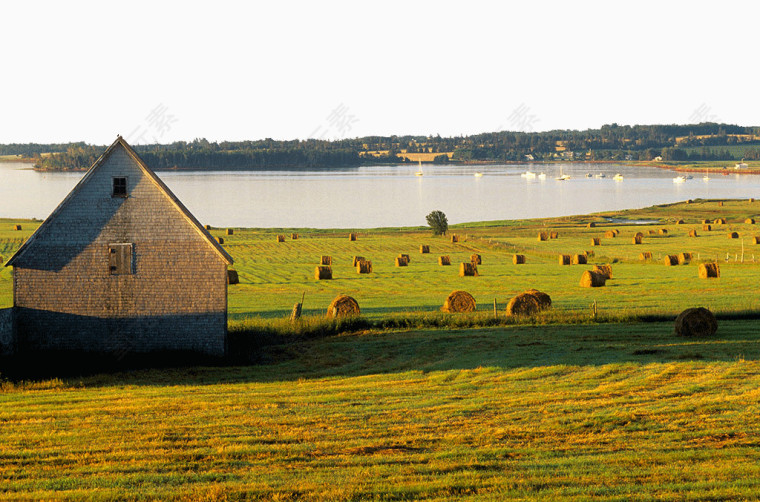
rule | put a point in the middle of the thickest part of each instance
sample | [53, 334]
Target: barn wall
[67, 298]
[7, 339]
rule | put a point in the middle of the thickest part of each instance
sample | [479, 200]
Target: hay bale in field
[406, 257]
[518, 259]
[343, 306]
[751, 200]
[323, 272]
[637, 238]
[294, 237]
[696, 322]
[596, 241]
[364, 267]
[749, 221]
[670, 260]
[459, 301]
[680, 222]
[684, 258]
[542, 236]
[356, 260]
[688, 201]
[756, 240]
[651, 232]
[579, 259]
[610, 234]
[733, 235]
[16, 227]
[544, 300]
[663, 231]
[605, 270]
[444, 260]
[352, 236]
[591, 225]
[454, 238]
[708, 270]
[230, 231]
[720, 203]
[401, 261]
[646, 255]
[565, 259]
[476, 259]
[554, 235]
[424, 249]
[592, 279]
[705, 222]
[232, 277]
[523, 304]
[468, 270]
[220, 240]
[280, 238]
[325, 260]
[719, 221]
[706, 228]
[208, 227]
[693, 233]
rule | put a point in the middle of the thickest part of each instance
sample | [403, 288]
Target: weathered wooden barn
[120, 266]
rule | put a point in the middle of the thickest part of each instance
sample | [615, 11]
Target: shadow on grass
[260, 356]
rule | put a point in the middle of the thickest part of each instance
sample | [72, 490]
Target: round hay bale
[696, 322]
[733, 235]
[444, 260]
[230, 231]
[688, 201]
[280, 238]
[670, 260]
[356, 260]
[406, 257]
[756, 240]
[709, 270]
[751, 200]
[680, 222]
[639, 234]
[352, 236]
[424, 249]
[720, 203]
[476, 259]
[518, 259]
[605, 270]
[554, 235]
[220, 240]
[652, 232]
[684, 258]
[542, 236]
[705, 222]
[323, 272]
[343, 306]
[646, 255]
[454, 238]
[693, 233]
[468, 270]
[592, 279]
[719, 221]
[706, 228]
[325, 260]
[663, 231]
[208, 227]
[543, 299]
[591, 225]
[401, 261]
[294, 237]
[523, 304]
[637, 239]
[610, 234]
[459, 301]
[564, 259]
[364, 267]
[232, 277]
[749, 221]
[596, 241]
[579, 259]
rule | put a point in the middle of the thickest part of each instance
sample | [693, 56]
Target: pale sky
[160, 71]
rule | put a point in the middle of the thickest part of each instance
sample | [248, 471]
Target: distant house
[120, 266]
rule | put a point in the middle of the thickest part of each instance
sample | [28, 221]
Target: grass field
[558, 407]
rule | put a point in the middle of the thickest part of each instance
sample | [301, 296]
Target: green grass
[615, 412]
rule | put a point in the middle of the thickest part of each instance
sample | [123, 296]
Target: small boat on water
[618, 177]
[419, 169]
[600, 175]
[589, 175]
[542, 176]
[528, 174]
[478, 174]
[679, 179]
[706, 177]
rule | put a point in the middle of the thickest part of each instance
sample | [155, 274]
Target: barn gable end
[121, 266]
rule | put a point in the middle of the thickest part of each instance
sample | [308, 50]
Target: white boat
[706, 177]
[542, 176]
[600, 175]
[618, 177]
[528, 174]
[563, 177]
[478, 174]
[679, 179]
[419, 170]
[589, 175]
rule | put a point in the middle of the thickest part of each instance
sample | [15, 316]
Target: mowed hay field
[607, 411]
[274, 275]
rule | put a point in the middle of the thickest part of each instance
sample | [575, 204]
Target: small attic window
[119, 187]
[120, 260]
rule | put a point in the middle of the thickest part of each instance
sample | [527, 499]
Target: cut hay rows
[468, 269]
[232, 277]
[605, 270]
[565, 259]
[476, 259]
[684, 258]
[424, 249]
[709, 270]
[323, 272]
[592, 279]
[646, 255]
[325, 260]
[596, 241]
[343, 306]
[579, 259]
[696, 322]
[458, 302]
[355, 261]
[670, 260]
[364, 267]
[444, 260]
[518, 259]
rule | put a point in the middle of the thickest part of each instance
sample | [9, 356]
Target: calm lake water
[367, 197]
